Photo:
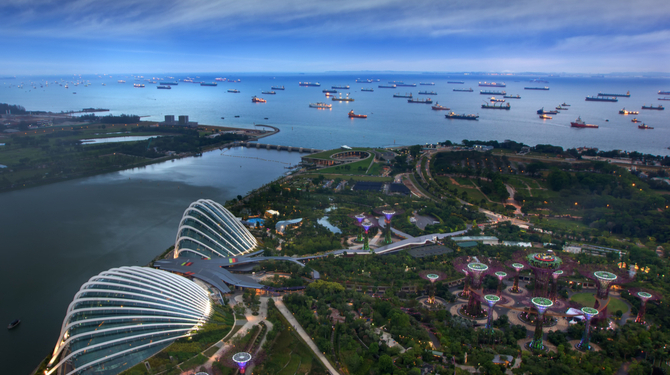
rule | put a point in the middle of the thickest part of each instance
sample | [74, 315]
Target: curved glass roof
[208, 230]
[124, 315]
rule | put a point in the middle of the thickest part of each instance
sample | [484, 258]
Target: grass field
[353, 167]
[356, 178]
[289, 355]
[587, 299]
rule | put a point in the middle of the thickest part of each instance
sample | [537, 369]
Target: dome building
[208, 230]
[123, 316]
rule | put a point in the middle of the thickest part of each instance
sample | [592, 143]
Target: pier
[278, 147]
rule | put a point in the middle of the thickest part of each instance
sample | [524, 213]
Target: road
[291, 319]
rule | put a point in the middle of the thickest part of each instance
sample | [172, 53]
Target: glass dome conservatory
[209, 230]
[123, 316]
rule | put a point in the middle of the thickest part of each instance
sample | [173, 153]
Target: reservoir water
[55, 237]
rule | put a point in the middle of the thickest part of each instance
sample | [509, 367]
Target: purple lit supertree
[466, 284]
[365, 223]
[543, 265]
[242, 358]
[359, 223]
[555, 275]
[491, 300]
[589, 313]
[604, 277]
[433, 277]
[388, 213]
[541, 305]
[644, 295]
[500, 275]
[517, 270]
[476, 270]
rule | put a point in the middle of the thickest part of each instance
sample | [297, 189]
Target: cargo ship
[406, 95]
[320, 105]
[122, 81]
[277, 87]
[564, 104]
[255, 99]
[369, 90]
[512, 96]
[664, 98]
[626, 95]
[464, 90]
[387, 86]
[494, 106]
[329, 91]
[340, 87]
[496, 100]
[452, 115]
[659, 107]
[353, 115]
[492, 84]
[234, 91]
[581, 124]
[561, 108]
[309, 84]
[220, 79]
[161, 87]
[486, 92]
[427, 93]
[422, 101]
[169, 83]
[406, 84]
[138, 85]
[438, 107]
[624, 112]
[396, 82]
[427, 83]
[664, 93]
[601, 99]
[268, 92]
[208, 84]
[545, 88]
[456, 82]
[358, 80]
[635, 120]
[643, 126]
[341, 99]
[545, 117]
[541, 111]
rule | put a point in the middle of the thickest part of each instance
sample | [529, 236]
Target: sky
[138, 36]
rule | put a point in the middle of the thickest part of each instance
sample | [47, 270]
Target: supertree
[491, 300]
[644, 295]
[359, 218]
[517, 270]
[555, 275]
[500, 275]
[604, 277]
[542, 265]
[589, 313]
[242, 358]
[433, 277]
[366, 224]
[476, 270]
[388, 213]
[541, 305]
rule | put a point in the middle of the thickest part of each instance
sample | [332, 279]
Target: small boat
[545, 117]
[14, 324]
[256, 99]
[353, 115]
[493, 99]
[659, 107]
[438, 107]
[624, 112]
[74, 92]
[635, 120]
[234, 91]
[643, 126]
[236, 116]
[222, 118]
[138, 85]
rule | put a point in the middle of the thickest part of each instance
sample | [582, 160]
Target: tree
[385, 364]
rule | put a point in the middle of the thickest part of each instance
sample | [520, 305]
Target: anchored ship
[427, 93]
[545, 88]
[492, 84]
[353, 115]
[456, 82]
[438, 107]
[208, 84]
[560, 108]
[452, 115]
[626, 95]
[659, 107]
[169, 83]
[545, 117]
[358, 80]
[541, 111]
[369, 90]
[234, 91]
[512, 96]
[341, 99]
[624, 112]
[256, 99]
[268, 92]
[341, 87]
[494, 99]
[487, 92]
[406, 84]
[387, 86]
[464, 90]
[277, 87]
[320, 105]
[424, 101]
[399, 95]
[427, 83]
[161, 87]
[581, 124]
[494, 106]
[329, 91]
[643, 126]
[664, 93]
[601, 99]
[138, 85]
[309, 84]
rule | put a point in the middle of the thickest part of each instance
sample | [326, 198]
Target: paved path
[291, 319]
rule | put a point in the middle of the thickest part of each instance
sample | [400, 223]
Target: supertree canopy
[589, 313]
[491, 300]
[500, 275]
[543, 266]
[517, 267]
[242, 358]
[388, 213]
[644, 295]
[604, 277]
[555, 275]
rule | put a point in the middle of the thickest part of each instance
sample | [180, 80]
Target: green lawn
[356, 178]
[352, 167]
[375, 169]
[289, 355]
[588, 299]
[328, 153]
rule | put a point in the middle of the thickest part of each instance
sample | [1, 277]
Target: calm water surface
[56, 237]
